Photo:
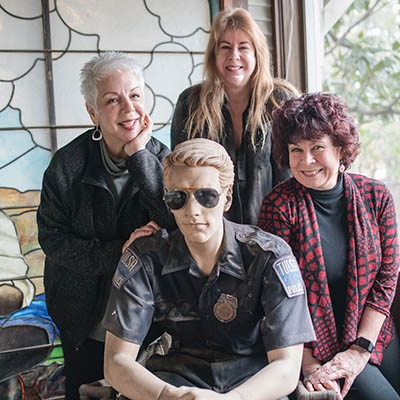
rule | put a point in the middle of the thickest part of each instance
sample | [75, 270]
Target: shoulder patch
[289, 274]
[128, 265]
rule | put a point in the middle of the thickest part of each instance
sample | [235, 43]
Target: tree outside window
[362, 66]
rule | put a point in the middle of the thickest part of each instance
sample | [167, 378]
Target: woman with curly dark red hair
[342, 229]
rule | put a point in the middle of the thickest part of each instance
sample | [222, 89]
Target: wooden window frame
[288, 47]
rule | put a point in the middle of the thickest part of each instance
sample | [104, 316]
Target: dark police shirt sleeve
[130, 307]
[287, 320]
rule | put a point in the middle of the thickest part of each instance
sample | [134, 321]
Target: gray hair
[102, 65]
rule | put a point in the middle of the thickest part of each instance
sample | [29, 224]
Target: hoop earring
[342, 168]
[97, 135]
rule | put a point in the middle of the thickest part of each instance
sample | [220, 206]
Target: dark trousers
[381, 382]
[82, 365]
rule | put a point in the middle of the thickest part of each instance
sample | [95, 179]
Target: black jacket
[81, 230]
[256, 171]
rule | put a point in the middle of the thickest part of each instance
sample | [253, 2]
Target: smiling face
[119, 111]
[200, 226]
[315, 164]
[235, 60]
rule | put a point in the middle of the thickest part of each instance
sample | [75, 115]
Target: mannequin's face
[199, 224]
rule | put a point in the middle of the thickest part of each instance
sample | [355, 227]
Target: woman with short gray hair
[96, 191]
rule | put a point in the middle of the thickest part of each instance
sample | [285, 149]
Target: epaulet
[265, 240]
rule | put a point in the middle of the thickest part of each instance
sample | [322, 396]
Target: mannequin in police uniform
[231, 297]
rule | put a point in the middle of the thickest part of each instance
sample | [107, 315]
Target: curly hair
[309, 117]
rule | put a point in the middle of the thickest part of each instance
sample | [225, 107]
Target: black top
[330, 207]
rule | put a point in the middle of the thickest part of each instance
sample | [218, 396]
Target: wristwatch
[364, 344]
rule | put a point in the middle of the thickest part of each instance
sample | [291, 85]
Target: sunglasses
[206, 197]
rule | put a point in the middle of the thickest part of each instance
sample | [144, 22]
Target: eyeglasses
[176, 199]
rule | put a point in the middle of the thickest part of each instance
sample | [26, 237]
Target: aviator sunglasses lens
[176, 199]
[207, 197]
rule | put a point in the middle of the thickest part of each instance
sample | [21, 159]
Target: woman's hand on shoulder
[146, 230]
[140, 141]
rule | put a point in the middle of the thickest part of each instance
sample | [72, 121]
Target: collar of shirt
[229, 262]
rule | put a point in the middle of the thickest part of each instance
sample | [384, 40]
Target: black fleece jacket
[82, 231]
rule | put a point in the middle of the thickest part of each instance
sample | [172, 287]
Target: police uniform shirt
[254, 300]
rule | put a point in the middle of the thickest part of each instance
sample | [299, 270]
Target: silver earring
[97, 135]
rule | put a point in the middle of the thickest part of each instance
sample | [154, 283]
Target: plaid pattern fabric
[288, 212]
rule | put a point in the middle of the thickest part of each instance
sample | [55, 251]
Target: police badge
[225, 308]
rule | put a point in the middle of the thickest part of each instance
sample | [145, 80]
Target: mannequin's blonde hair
[200, 153]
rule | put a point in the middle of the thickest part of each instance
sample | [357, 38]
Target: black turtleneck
[330, 207]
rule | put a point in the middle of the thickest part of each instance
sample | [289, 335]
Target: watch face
[364, 344]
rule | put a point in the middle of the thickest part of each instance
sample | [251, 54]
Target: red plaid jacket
[288, 212]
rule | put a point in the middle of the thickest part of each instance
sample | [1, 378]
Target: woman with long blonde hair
[233, 105]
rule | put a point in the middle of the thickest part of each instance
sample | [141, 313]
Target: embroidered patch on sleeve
[127, 266]
[289, 274]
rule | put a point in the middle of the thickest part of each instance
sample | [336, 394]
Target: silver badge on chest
[225, 308]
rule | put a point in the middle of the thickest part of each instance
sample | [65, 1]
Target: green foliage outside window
[362, 66]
